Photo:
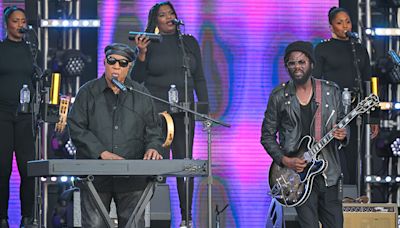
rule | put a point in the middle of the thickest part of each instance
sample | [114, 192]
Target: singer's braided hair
[153, 14]
[10, 10]
[334, 11]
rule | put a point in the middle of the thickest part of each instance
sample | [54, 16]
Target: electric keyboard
[80, 167]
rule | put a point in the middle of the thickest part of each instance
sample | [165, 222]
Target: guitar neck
[317, 147]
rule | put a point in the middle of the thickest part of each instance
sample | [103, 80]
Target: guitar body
[291, 188]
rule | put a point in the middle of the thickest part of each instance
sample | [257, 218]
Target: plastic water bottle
[346, 100]
[173, 98]
[25, 98]
[25, 95]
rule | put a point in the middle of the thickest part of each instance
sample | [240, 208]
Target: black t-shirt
[163, 67]
[16, 69]
[334, 62]
[306, 116]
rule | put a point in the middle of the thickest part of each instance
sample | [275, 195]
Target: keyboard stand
[139, 208]
[141, 205]
[88, 183]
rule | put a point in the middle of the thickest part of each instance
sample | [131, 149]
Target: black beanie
[302, 46]
[120, 49]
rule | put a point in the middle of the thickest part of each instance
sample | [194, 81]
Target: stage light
[73, 63]
[54, 23]
[64, 179]
[389, 105]
[43, 179]
[96, 23]
[368, 178]
[382, 31]
[54, 179]
[70, 147]
[385, 105]
[388, 179]
[382, 180]
[70, 23]
[85, 23]
[395, 146]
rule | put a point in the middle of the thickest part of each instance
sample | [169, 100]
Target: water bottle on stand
[24, 99]
[346, 100]
[173, 98]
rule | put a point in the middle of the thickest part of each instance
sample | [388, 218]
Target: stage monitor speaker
[370, 215]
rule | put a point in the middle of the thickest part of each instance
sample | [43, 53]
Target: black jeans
[324, 205]
[178, 148]
[16, 135]
[125, 203]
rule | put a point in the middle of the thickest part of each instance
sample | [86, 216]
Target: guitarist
[291, 112]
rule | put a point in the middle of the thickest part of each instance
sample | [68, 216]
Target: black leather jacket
[283, 117]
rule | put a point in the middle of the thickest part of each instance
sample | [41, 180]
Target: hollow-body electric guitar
[291, 188]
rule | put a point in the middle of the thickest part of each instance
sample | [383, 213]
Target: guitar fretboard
[365, 105]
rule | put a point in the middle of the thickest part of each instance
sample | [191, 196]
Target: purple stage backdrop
[242, 44]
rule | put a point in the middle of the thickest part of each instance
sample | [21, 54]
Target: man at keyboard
[108, 123]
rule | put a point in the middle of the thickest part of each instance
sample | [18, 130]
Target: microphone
[152, 36]
[118, 84]
[395, 57]
[177, 22]
[352, 35]
[25, 29]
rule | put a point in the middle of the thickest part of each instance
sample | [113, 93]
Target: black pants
[324, 205]
[178, 148]
[125, 203]
[16, 135]
[348, 157]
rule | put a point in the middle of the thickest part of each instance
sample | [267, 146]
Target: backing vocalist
[16, 69]
[159, 65]
[334, 62]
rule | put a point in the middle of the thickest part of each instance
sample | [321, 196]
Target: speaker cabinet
[370, 215]
[356, 215]
[290, 214]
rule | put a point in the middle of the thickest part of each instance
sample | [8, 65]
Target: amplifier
[370, 215]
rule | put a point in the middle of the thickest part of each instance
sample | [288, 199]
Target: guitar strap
[318, 113]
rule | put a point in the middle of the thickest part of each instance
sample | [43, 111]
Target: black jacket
[128, 129]
[283, 117]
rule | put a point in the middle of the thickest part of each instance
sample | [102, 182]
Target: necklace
[304, 99]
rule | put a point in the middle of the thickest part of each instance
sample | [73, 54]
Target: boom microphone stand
[208, 124]
[36, 127]
[360, 94]
[187, 74]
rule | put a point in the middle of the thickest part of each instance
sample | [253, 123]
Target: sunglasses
[112, 61]
[292, 64]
